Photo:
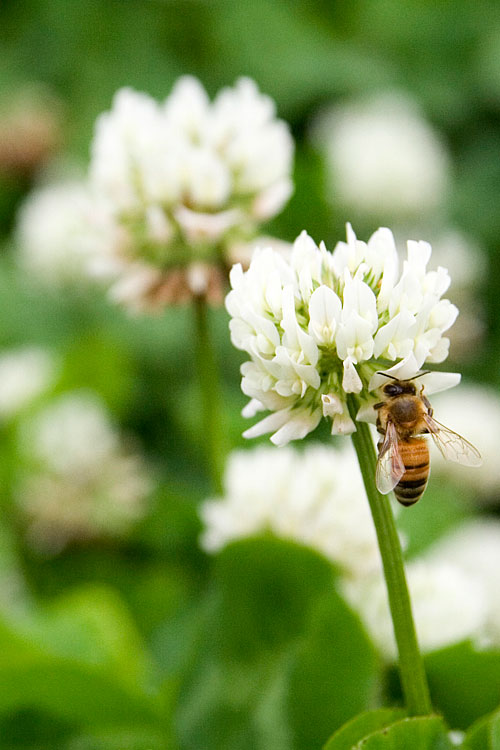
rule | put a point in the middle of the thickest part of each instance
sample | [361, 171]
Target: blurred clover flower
[474, 547]
[185, 180]
[61, 229]
[474, 412]
[25, 373]
[383, 158]
[80, 481]
[449, 605]
[321, 325]
[315, 498]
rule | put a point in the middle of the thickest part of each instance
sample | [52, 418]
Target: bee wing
[452, 445]
[390, 466]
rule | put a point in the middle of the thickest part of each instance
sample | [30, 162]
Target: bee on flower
[321, 326]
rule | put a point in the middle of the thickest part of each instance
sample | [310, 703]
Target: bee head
[397, 387]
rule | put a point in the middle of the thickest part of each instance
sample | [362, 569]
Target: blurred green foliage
[145, 643]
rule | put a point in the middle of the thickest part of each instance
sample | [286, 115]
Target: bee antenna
[420, 374]
[388, 376]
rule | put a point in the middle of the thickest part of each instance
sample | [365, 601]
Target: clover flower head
[314, 497]
[383, 157]
[321, 325]
[188, 177]
[79, 480]
[449, 605]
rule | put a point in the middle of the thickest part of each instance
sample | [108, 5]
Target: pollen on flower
[318, 325]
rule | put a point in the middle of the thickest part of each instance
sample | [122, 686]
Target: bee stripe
[409, 484]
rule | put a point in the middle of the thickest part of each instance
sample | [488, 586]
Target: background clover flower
[188, 178]
[80, 479]
[449, 605]
[320, 324]
[382, 157]
[315, 498]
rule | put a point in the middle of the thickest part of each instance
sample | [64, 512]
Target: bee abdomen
[415, 455]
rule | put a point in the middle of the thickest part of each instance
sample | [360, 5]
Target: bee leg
[379, 405]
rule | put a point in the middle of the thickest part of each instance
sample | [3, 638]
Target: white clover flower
[474, 548]
[315, 498]
[448, 606]
[188, 178]
[63, 229]
[476, 414]
[79, 480]
[383, 158]
[25, 373]
[319, 325]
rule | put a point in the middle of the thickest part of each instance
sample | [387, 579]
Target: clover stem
[411, 666]
[208, 382]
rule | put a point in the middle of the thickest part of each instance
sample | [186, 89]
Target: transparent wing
[452, 445]
[390, 466]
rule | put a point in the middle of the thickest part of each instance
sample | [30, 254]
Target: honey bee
[403, 418]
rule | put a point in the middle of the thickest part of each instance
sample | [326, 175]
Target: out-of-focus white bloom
[62, 228]
[319, 325]
[383, 158]
[448, 606]
[24, 374]
[474, 413]
[187, 178]
[475, 549]
[80, 479]
[315, 498]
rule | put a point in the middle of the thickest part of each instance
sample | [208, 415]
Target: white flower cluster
[383, 158]
[449, 605]
[80, 481]
[320, 325]
[187, 177]
[315, 497]
[173, 188]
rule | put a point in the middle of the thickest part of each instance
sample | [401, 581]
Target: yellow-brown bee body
[403, 418]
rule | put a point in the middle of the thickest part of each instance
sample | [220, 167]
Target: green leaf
[464, 683]
[282, 660]
[417, 733]
[267, 587]
[484, 734]
[332, 675]
[361, 726]
[80, 661]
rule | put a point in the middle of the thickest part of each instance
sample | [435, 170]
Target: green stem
[208, 380]
[411, 666]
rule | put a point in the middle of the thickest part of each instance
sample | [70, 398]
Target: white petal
[272, 422]
[343, 425]
[252, 408]
[297, 427]
[406, 369]
[351, 382]
[324, 311]
[332, 405]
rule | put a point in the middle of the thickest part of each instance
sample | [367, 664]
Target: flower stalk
[411, 666]
[208, 379]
